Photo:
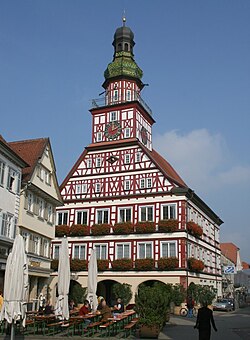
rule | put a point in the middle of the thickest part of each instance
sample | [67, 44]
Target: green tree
[123, 291]
[178, 294]
[78, 293]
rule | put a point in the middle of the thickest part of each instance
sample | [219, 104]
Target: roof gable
[229, 250]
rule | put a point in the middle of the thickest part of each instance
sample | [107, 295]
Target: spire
[124, 18]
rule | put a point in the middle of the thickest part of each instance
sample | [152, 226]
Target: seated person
[85, 309]
[48, 308]
[105, 311]
[71, 305]
[119, 306]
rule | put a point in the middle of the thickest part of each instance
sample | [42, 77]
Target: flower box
[194, 229]
[122, 264]
[145, 227]
[144, 264]
[102, 265]
[77, 265]
[54, 265]
[123, 228]
[100, 229]
[168, 263]
[195, 265]
[168, 226]
[62, 230]
[79, 230]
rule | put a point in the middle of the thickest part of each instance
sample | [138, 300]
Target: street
[231, 326]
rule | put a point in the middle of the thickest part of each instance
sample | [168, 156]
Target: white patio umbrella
[92, 280]
[16, 285]
[62, 303]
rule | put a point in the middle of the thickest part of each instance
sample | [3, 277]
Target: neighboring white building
[10, 184]
[39, 197]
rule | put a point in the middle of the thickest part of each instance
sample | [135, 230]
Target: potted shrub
[195, 265]
[194, 229]
[79, 230]
[178, 296]
[54, 265]
[77, 265]
[62, 230]
[123, 291]
[100, 229]
[168, 263]
[168, 226]
[151, 305]
[123, 228]
[144, 264]
[102, 265]
[146, 227]
[122, 264]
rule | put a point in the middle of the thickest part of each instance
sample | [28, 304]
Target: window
[98, 162]
[115, 98]
[102, 216]
[78, 188]
[50, 213]
[98, 187]
[169, 211]
[56, 249]
[99, 137]
[89, 163]
[126, 184]
[138, 157]
[25, 236]
[45, 248]
[6, 225]
[41, 208]
[128, 95]
[11, 179]
[144, 250]
[123, 251]
[113, 116]
[149, 182]
[168, 249]
[62, 217]
[82, 217]
[84, 188]
[142, 183]
[47, 176]
[126, 132]
[36, 245]
[79, 251]
[125, 214]
[127, 158]
[146, 213]
[30, 203]
[2, 171]
[101, 251]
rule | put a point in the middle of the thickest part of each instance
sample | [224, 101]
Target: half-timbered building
[123, 198]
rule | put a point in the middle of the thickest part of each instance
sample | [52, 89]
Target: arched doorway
[150, 283]
[76, 292]
[105, 289]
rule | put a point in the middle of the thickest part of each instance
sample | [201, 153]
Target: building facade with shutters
[123, 198]
[39, 198]
[11, 165]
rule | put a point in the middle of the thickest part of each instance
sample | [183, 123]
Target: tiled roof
[229, 250]
[15, 154]
[245, 265]
[31, 151]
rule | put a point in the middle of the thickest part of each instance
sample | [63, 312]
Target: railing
[107, 100]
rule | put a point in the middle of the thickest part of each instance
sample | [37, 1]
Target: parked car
[223, 304]
[232, 302]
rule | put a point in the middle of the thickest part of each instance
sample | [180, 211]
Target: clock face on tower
[113, 130]
[144, 135]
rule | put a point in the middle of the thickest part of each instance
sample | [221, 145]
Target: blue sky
[196, 58]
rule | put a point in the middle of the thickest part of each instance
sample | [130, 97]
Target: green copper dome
[123, 63]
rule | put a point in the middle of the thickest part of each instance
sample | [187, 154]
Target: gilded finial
[124, 18]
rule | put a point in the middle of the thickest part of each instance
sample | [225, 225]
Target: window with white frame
[115, 97]
[125, 214]
[149, 182]
[168, 249]
[98, 162]
[41, 208]
[2, 172]
[79, 251]
[78, 189]
[7, 220]
[126, 132]
[25, 236]
[102, 216]
[101, 251]
[144, 250]
[45, 248]
[128, 95]
[146, 213]
[138, 157]
[89, 163]
[127, 158]
[99, 136]
[11, 179]
[98, 187]
[168, 211]
[189, 250]
[122, 251]
[142, 183]
[62, 217]
[113, 116]
[82, 217]
[50, 213]
[47, 176]
[84, 188]
[30, 202]
[14, 228]
[126, 184]
[56, 250]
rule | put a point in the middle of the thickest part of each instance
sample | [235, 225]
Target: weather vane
[124, 18]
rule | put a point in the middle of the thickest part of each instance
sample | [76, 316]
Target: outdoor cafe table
[43, 320]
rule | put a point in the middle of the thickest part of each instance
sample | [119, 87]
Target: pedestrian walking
[190, 306]
[203, 322]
